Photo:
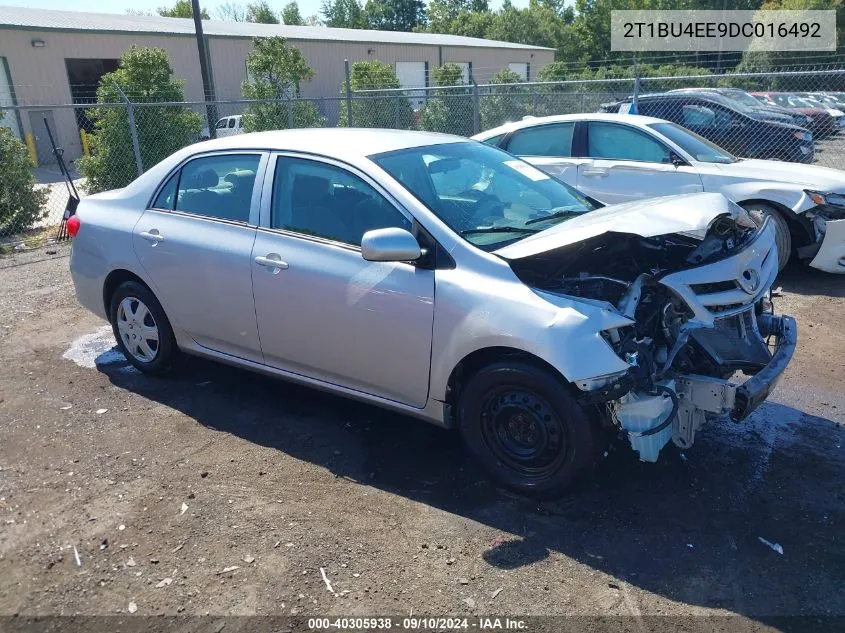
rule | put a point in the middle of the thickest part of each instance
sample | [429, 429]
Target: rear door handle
[273, 261]
[596, 171]
[152, 236]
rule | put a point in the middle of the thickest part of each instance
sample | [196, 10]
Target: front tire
[783, 236]
[142, 330]
[524, 428]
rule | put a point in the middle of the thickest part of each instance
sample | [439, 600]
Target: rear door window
[218, 187]
[543, 140]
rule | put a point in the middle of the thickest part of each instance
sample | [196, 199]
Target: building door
[413, 75]
[43, 149]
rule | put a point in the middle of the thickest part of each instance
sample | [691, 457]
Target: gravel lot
[219, 491]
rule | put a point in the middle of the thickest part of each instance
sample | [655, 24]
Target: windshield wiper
[499, 229]
[562, 213]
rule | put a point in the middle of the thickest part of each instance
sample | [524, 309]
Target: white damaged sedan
[445, 279]
[621, 157]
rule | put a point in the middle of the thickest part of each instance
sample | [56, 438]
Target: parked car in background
[745, 102]
[726, 126]
[618, 158]
[445, 279]
[822, 122]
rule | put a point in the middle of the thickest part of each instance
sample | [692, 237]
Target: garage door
[413, 75]
[520, 68]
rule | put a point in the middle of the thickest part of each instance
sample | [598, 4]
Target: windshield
[484, 194]
[744, 98]
[699, 148]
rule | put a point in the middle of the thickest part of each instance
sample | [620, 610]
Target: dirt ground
[219, 491]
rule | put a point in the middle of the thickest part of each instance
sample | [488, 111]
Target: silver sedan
[446, 279]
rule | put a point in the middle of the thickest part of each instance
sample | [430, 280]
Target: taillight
[73, 225]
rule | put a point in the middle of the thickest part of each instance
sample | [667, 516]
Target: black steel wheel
[520, 422]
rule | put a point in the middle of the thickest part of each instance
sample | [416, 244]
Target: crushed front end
[703, 339]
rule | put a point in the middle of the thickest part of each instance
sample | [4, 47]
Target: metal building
[57, 57]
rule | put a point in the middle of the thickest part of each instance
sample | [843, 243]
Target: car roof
[337, 142]
[634, 119]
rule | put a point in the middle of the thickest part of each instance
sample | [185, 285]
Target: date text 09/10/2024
[416, 623]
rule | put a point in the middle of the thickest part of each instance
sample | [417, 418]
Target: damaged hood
[688, 213]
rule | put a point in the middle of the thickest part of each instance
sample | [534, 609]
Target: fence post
[348, 94]
[636, 93]
[476, 107]
[133, 132]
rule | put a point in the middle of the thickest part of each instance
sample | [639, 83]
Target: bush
[145, 76]
[276, 71]
[450, 110]
[376, 108]
[21, 202]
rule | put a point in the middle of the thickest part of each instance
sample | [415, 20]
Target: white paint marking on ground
[96, 348]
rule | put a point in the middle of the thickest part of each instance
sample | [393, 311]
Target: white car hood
[810, 176]
[688, 213]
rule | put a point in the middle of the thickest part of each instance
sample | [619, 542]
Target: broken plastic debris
[132, 607]
[249, 559]
[184, 509]
[326, 580]
[99, 411]
[226, 570]
[163, 582]
[775, 546]
[76, 556]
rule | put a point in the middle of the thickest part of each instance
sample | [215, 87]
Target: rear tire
[525, 429]
[142, 330]
[783, 236]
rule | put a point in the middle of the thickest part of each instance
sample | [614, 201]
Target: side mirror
[390, 245]
[676, 160]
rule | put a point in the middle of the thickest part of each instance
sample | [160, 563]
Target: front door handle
[596, 171]
[152, 236]
[273, 261]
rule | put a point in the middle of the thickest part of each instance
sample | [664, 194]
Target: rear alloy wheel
[524, 428]
[783, 236]
[141, 328]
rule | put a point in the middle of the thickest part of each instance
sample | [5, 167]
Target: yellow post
[86, 149]
[30, 145]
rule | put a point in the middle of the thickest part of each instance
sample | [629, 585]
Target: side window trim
[257, 189]
[630, 127]
[265, 224]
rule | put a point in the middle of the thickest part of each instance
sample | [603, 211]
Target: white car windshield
[484, 194]
[696, 146]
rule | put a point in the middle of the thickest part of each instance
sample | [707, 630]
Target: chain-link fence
[794, 115]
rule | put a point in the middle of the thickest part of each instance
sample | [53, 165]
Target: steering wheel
[488, 206]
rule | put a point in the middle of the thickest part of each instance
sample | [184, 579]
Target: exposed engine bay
[700, 312]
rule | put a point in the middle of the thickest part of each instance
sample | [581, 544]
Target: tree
[259, 11]
[291, 14]
[21, 201]
[376, 108]
[504, 103]
[145, 74]
[448, 110]
[344, 14]
[276, 72]
[182, 9]
[231, 11]
[395, 15]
